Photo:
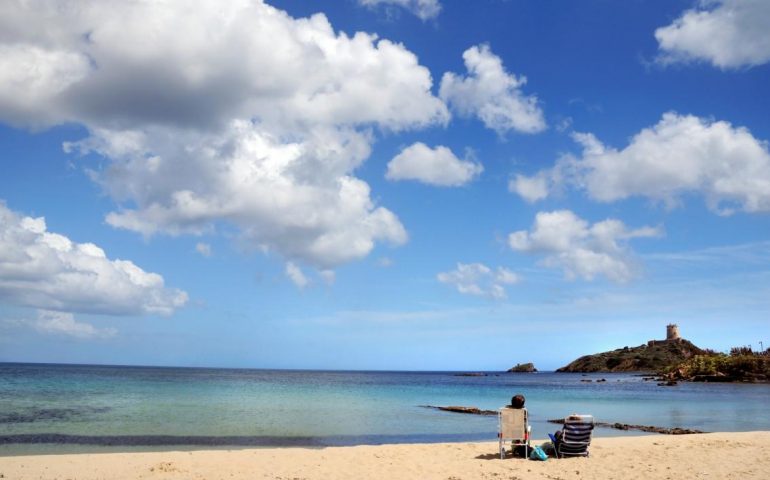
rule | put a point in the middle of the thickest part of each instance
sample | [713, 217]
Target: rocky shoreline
[614, 425]
[641, 428]
[458, 409]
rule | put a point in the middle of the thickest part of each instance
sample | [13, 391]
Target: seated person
[579, 432]
[517, 402]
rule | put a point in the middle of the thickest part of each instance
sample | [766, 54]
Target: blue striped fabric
[576, 436]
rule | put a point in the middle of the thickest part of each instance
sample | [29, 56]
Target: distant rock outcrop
[655, 356]
[523, 368]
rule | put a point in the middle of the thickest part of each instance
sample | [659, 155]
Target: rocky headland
[654, 356]
[676, 359]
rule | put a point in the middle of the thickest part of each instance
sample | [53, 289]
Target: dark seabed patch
[219, 441]
[32, 415]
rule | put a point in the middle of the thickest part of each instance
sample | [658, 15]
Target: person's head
[517, 401]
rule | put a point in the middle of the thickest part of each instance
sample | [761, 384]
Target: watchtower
[672, 332]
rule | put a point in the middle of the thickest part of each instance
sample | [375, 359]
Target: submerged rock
[643, 428]
[460, 409]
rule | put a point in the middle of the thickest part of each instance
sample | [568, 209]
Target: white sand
[709, 456]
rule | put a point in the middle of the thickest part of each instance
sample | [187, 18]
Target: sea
[47, 408]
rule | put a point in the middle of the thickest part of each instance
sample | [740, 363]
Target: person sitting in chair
[517, 401]
[574, 437]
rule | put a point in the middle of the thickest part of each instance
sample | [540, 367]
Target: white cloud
[726, 33]
[33, 78]
[492, 94]
[203, 248]
[434, 166]
[115, 63]
[580, 249]
[293, 198]
[424, 9]
[61, 323]
[681, 154]
[45, 270]
[531, 189]
[479, 280]
[251, 117]
[296, 276]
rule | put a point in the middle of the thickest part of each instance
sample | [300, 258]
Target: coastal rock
[643, 428]
[460, 409]
[523, 368]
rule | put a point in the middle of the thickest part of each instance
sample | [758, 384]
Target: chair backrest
[513, 423]
[576, 434]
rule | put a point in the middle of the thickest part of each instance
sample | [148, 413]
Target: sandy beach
[708, 456]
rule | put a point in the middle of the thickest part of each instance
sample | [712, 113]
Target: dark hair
[517, 401]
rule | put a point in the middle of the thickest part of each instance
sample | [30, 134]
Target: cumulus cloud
[124, 63]
[45, 270]
[296, 275]
[725, 33]
[530, 189]
[61, 323]
[424, 9]
[434, 166]
[293, 198]
[479, 280]
[493, 95]
[580, 249]
[252, 117]
[681, 154]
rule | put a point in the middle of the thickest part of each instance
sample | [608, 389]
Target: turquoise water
[106, 405]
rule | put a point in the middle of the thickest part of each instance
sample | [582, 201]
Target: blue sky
[381, 184]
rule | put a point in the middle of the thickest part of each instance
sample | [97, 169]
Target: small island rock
[523, 368]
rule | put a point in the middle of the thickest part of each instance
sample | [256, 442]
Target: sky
[381, 184]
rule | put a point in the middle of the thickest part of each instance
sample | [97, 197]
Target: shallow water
[149, 406]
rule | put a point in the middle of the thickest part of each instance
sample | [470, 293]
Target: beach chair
[575, 436]
[513, 426]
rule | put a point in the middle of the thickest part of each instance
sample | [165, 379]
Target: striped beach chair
[575, 437]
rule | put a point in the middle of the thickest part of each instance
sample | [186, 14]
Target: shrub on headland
[741, 365]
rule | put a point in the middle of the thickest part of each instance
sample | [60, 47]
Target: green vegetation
[741, 365]
[655, 356]
[523, 368]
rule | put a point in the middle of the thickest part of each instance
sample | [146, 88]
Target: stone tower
[672, 332]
